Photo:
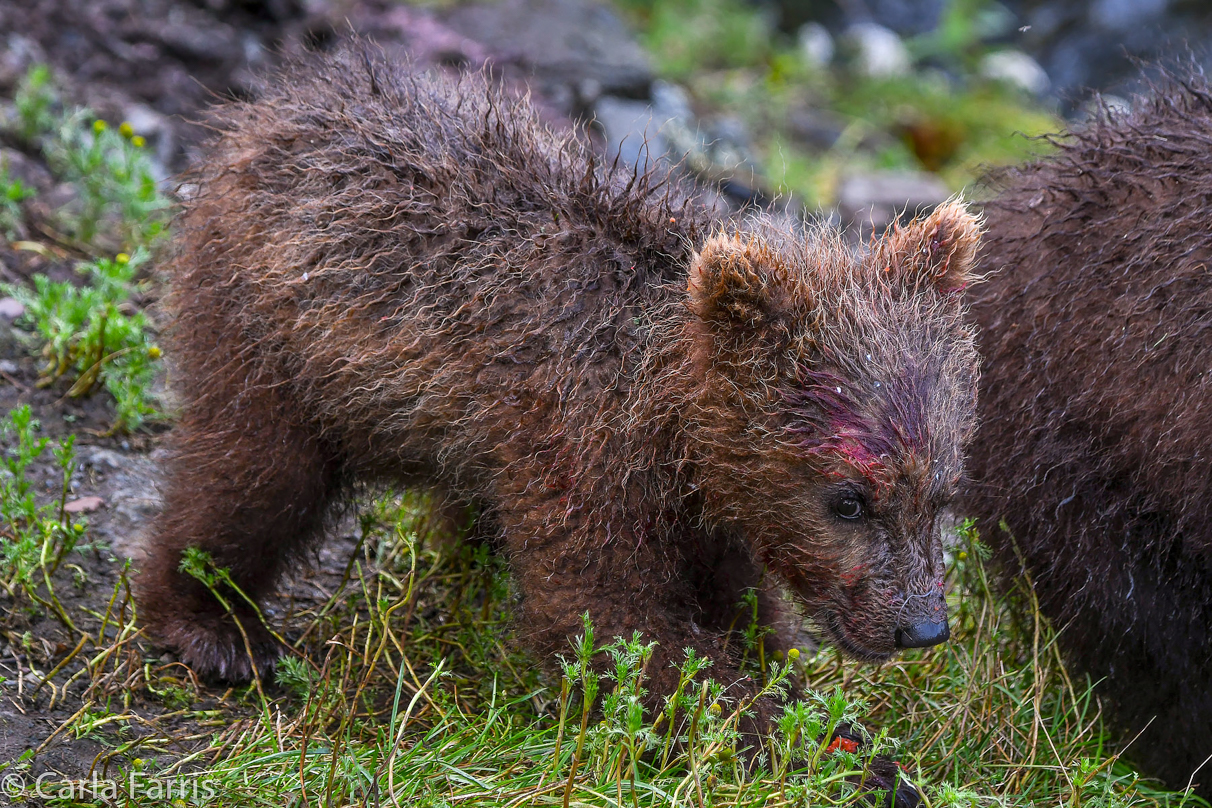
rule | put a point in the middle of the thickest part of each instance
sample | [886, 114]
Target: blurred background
[857, 108]
[852, 107]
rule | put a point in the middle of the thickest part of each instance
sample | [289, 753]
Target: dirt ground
[123, 473]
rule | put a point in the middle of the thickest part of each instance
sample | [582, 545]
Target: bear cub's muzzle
[926, 626]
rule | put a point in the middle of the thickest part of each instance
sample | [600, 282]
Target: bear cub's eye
[849, 506]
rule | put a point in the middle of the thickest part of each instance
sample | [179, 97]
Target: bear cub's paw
[214, 648]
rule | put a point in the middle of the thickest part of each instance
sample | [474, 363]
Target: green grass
[409, 689]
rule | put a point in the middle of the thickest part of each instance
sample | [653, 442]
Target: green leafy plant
[12, 193]
[689, 36]
[115, 180]
[964, 28]
[94, 331]
[119, 201]
[36, 537]
[35, 102]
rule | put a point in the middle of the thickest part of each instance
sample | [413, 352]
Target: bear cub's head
[835, 392]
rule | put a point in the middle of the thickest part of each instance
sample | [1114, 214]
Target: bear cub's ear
[738, 281]
[939, 249]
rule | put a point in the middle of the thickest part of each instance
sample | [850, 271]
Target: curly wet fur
[1096, 409]
[386, 276]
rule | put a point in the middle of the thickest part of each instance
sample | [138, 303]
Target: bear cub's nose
[926, 629]
[922, 634]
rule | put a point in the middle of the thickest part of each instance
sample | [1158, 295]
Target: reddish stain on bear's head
[831, 421]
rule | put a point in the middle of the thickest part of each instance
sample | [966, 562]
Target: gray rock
[1017, 69]
[640, 133]
[129, 483]
[1115, 104]
[869, 202]
[198, 36]
[816, 128]
[730, 131]
[877, 51]
[816, 44]
[716, 152]
[10, 308]
[577, 44]
[12, 345]
[631, 129]
[671, 101]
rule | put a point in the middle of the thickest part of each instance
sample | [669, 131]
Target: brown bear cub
[1096, 410]
[393, 277]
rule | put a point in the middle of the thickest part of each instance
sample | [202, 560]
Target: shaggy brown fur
[394, 277]
[1096, 408]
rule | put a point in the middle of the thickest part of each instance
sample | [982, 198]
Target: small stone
[878, 51]
[671, 101]
[816, 44]
[1017, 69]
[731, 129]
[156, 130]
[873, 200]
[631, 133]
[816, 128]
[588, 91]
[84, 505]
[9, 366]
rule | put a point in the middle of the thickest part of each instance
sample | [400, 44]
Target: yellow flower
[962, 555]
[122, 258]
[126, 130]
[153, 352]
[794, 653]
[99, 126]
[138, 142]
